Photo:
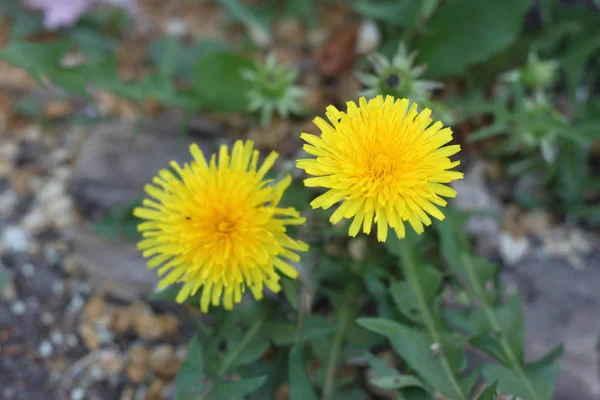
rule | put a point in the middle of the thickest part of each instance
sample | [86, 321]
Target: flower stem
[410, 273]
[232, 357]
[487, 308]
[345, 317]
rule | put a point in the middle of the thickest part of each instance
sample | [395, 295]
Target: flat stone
[114, 267]
[118, 159]
[562, 306]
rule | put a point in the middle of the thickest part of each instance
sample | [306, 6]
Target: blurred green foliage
[541, 123]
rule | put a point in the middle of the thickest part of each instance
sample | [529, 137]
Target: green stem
[345, 317]
[487, 308]
[231, 357]
[410, 273]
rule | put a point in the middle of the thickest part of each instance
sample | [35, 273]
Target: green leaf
[283, 333]
[380, 294]
[233, 357]
[300, 386]
[575, 60]
[290, 290]
[490, 392]
[414, 347]
[218, 83]
[395, 13]
[188, 55]
[540, 377]
[236, 390]
[245, 14]
[189, 380]
[252, 352]
[3, 277]
[491, 346]
[35, 58]
[397, 382]
[465, 32]
[405, 298]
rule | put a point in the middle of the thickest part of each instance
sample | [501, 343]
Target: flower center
[381, 166]
[393, 80]
[225, 226]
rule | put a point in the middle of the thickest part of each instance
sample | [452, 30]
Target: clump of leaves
[537, 74]
[397, 77]
[273, 89]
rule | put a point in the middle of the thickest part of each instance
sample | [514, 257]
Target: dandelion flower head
[384, 162]
[217, 226]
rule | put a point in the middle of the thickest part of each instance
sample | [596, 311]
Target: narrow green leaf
[3, 277]
[290, 290]
[284, 333]
[300, 386]
[397, 382]
[395, 13]
[245, 14]
[189, 380]
[236, 390]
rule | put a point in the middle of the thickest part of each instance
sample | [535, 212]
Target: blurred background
[97, 95]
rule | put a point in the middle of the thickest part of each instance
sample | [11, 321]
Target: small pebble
[17, 307]
[33, 302]
[78, 394]
[57, 338]
[28, 270]
[52, 256]
[58, 287]
[76, 303]
[15, 239]
[71, 340]
[47, 318]
[45, 349]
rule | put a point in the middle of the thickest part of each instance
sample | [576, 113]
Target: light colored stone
[368, 37]
[103, 260]
[16, 239]
[512, 249]
[95, 308]
[147, 326]
[164, 361]
[111, 362]
[90, 336]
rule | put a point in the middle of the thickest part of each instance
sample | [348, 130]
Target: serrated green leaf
[236, 390]
[491, 346]
[490, 392]
[414, 347]
[300, 386]
[219, 84]
[455, 41]
[540, 379]
[189, 381]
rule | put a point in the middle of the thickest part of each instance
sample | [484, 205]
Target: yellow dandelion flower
[217, 226]
[384, 161]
